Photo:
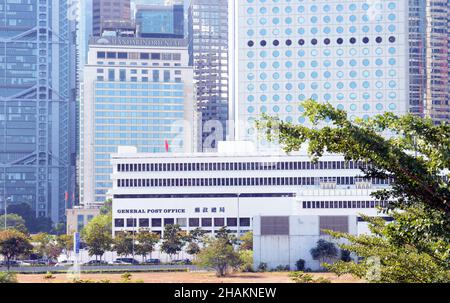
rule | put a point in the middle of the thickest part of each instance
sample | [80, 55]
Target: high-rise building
[160, 21]
[353, 54]
[109, 10]
[208, 37]
[37, 105]
[437, 51]
[139, 92]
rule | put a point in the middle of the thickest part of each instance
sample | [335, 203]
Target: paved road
[32, 269]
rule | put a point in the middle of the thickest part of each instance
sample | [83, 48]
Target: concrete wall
[276, 250]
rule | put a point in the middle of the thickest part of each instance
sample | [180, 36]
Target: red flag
[167, 145]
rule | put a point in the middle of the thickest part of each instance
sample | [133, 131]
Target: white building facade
[212, 190]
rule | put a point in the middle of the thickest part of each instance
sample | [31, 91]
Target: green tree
[219, 254]
[41, 241]
[8, 277]
[246, 241]
[324, 250]
[246, 260]
[97, 235]
[106, 208]
[195, 240]
[65, 242]
[123, 244]
[145, 243]
[14, 221]
[174, 240]
[33, 224]
[415, 158]
[13, 243]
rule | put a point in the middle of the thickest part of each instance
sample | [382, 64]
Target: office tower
[437, 47]
[37, 105]
[160, 21]
[138, 92]
[109, 10]
[208, 37]
[353, 54]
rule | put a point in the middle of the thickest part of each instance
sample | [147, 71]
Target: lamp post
[238, 218]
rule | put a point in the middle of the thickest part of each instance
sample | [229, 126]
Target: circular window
[379, 39]
[288, 42]
[276, 42]
[326, 41]
[314, 41]
[250, 43]
[263, 43]
[301, 42]
[365, 40]
[392, 39]
[352, 40]
[340, 41]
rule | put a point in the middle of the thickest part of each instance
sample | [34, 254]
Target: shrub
[49, 276]
[126, 277]
[300, 264]
[82, 281]
[345, 256]
[282, 268]
[301, 277]
[8, 277]
[262, 267]
[246, 257]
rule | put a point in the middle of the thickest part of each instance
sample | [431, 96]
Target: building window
[166, 76]
[168, 221]
[156, 222]
[119, 222]
[275, 225]
[244, 221]
[156, 76]
[182, 222]
[231, 221]
[206, 222]
[194, 222]
[144, 223]
[219, 222]
[131, 222]
[334, 223]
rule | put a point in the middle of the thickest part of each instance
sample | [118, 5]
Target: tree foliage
[174, 239]
[13, 243]
[324, 250]
[123, 244]
[411, 151]
[14, 221]
[194, 240]
[146, 242]
[414, 155]
[97, 235]
[219, 254]
[246, 241]
[33, 224]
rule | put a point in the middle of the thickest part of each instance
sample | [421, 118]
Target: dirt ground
[185, 277]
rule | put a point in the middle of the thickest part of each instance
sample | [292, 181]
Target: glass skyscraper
[37, 105]
[208, 35]
[354, 54]
[160, 21]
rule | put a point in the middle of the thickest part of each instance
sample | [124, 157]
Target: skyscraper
[109, 10]
[437, 51]
[138, 92]
[208, 35]
[37, 105]
[160, 21]
[354, 54]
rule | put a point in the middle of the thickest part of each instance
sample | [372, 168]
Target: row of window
[138, 167]
[245, 181]
[183, 222]
[326, 41]
[343, 204]
[142, 56]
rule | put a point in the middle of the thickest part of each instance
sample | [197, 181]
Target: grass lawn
[185, 277]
